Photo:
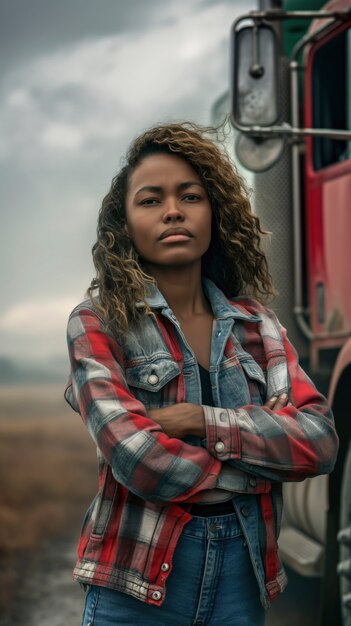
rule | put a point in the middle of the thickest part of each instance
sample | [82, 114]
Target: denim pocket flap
[253, 371]
[152, 375]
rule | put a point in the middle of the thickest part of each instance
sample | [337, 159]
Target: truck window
[331, 93]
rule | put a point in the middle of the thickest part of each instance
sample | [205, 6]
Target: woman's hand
[185, 418]
[180, 420]
[277, 402]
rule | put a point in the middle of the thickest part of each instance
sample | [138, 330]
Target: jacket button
[219, 447]
[157, 595]
[252, 482]
[165, 567]
[245, 511]
[152, 379]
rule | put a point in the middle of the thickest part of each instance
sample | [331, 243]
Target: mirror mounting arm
[286, 130]
[256, 71]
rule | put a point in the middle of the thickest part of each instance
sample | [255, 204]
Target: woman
[192, 393]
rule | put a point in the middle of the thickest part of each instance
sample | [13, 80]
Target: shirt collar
[221, 307]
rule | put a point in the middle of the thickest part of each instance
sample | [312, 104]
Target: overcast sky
[79, 79]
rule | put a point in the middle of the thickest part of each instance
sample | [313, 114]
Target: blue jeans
[212, 584]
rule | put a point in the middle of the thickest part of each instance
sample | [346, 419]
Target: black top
[207, 397]
[221, 508]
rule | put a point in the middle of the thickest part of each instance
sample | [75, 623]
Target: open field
[47, 475]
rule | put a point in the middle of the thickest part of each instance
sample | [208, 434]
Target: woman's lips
[170, 238]
[176, 234]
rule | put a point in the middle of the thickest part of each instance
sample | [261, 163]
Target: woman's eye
[149, 201]
[191, 197]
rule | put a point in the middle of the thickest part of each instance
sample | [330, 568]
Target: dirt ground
[47, 595]
[48, 477]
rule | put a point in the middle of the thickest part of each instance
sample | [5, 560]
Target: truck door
[328, 187]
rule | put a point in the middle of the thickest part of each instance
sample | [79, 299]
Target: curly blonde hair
[234, 260]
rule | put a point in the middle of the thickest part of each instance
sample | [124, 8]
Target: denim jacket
[148, 481]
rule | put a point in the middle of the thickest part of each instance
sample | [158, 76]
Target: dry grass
[47, 470]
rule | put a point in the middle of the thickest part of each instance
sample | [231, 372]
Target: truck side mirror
[254, 75]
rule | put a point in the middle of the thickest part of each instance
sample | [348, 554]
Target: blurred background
[79, 80]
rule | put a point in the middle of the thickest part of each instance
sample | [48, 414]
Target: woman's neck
[182, 288]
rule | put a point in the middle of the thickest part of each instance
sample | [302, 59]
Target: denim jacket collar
[221, 307]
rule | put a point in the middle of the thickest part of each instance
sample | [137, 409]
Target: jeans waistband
[216, 527]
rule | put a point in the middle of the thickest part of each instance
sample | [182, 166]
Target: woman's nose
[173, 212]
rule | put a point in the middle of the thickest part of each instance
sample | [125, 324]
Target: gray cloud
[67, 115]
[40, 26]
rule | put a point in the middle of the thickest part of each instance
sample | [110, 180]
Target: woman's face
[168, 212]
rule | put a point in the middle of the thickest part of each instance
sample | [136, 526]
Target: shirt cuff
[222, 433]
[237, 481]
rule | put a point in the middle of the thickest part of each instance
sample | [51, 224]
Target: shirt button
[223, 416]
[219, 447]
[165, 567]
[157, 595]
[252, 482]
[245, 511]
[152, 379]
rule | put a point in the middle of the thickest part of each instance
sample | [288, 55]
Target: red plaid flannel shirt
[147, 481]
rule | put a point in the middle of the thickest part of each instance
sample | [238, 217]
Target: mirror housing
[258, 154]
[254, 75]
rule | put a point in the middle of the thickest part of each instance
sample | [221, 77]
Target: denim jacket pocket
[154, 381]
[256, 380]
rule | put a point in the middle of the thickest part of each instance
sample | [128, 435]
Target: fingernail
[274, 399]
[284, 396]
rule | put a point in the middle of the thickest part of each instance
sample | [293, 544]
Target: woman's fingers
[277, 402]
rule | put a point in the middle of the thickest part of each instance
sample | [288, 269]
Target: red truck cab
[291, 112]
